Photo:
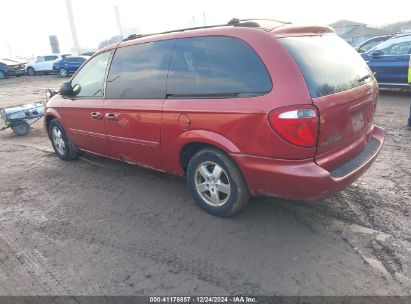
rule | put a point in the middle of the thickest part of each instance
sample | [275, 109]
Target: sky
[26, 24]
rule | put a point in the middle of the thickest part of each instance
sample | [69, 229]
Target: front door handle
[111, 117]
[96, 115]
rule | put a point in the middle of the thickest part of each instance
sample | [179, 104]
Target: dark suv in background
[10, 67]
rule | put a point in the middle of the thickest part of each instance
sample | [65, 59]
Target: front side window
[216, 67]
[140, 71]
[370, 45]
[41, 59]
[89, 81]
[402, 48]
[396, 46]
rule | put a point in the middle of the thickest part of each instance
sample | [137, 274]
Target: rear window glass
[216, 67]
[328, 64]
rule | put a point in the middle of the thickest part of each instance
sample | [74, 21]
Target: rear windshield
[329, 64]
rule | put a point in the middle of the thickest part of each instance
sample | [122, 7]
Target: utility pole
[118, 20]
[72, 26]
[8, 46]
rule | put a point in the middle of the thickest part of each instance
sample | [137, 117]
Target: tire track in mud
[158, 250]
[33, 273]
[353, 224]
[381, 250]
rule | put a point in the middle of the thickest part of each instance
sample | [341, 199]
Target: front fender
[53, 108]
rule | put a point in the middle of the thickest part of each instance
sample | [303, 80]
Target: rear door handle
[111, 117]
[96, 115]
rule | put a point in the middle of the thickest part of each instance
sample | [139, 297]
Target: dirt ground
[100, 227]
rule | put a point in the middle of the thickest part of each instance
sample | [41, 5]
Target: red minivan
[254, 107]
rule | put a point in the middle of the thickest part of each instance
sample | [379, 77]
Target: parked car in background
[390, 61]
[371, 43]
[68, 65]
[88, 54]
[235, 109]
[44, 64]
[9, 67]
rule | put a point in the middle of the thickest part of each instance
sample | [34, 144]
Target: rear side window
[328, 63]
[140, 71]
[216, 67]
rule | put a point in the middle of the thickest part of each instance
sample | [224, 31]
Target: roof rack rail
[135, 36]
[268, 24]
[233, 22]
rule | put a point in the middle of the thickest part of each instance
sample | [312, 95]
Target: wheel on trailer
[21, 128]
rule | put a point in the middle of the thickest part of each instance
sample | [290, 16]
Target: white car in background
[43, 64]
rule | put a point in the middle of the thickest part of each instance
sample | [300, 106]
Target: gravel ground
[101, 227]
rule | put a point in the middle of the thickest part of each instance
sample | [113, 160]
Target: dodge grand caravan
[250, 108]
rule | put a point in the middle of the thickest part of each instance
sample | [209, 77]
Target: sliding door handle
[96, 115]
[111, 117]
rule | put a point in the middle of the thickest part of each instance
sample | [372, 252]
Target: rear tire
[63, 72]
[62, 144]
[20, 128]
[31, 71]
[216, 183]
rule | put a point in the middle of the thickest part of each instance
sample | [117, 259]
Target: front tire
[216, 183]
[31, 71]
[62, 144]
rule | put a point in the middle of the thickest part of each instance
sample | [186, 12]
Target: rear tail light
[298, 125]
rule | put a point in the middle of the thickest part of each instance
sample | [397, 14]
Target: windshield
[328, 64]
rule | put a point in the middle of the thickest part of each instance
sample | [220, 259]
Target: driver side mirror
[376, 53]
[66, 89]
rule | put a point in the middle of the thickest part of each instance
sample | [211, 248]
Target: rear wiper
[365, 77]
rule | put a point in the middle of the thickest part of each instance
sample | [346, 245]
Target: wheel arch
[49, 116]
[190, 142]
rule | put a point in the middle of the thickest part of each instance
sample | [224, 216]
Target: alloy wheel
[212, 183]
[58, 141]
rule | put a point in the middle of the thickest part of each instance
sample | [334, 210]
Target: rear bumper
[304, 179]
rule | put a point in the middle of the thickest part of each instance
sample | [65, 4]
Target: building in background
[355, 32]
